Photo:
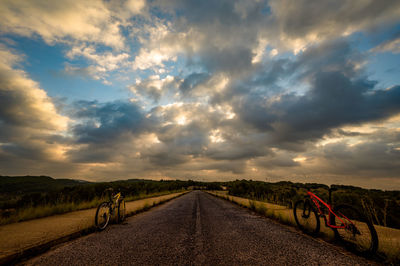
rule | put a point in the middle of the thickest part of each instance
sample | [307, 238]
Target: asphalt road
[198, 229]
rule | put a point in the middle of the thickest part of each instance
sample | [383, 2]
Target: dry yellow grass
[389, 241]
[389, 238]
[49, 210]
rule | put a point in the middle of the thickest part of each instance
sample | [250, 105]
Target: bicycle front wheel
[306, 217]
[121, 211]
[103, 215]
[358, 233]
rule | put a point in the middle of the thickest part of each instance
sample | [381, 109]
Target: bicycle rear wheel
[121, 211]
[306, 217]
[103, 215]
[359, 234]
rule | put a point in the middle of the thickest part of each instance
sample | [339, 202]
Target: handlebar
[104, 194]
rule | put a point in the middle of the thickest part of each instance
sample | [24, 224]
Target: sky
[279, 90]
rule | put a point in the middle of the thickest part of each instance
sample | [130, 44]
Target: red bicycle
[350, 226]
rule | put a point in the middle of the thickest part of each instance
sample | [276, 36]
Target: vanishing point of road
[198, 229]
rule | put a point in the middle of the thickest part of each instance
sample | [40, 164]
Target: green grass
[49, 210]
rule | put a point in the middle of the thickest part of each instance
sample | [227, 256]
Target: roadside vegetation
[382, 207]
[30, 197]
[275, 200]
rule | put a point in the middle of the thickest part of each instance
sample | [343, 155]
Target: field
[29, 197]
[53, 209]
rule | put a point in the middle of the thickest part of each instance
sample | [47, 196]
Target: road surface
[198, 229]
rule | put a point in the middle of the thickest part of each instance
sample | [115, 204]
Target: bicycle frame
[113, 200]
[316, 201]
[117, 197]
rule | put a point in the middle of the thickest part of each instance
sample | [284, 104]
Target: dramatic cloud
[302, 23]
[29, 119]
[212, 90]
[89, 21]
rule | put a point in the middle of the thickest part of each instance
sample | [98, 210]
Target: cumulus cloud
[154, 87]
[218, 89]
[60, 20]
[301, 23]
[91, 29]
[23, 103]
[101, 64]
[337, 94]
[29, 120]
[105, 122]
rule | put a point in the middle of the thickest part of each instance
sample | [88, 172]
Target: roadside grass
[389, 243]
[49, 210]
[389, 238]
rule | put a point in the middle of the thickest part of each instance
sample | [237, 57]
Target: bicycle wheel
[103, 215]
[121, 211]
[306, 217]
[359, 234]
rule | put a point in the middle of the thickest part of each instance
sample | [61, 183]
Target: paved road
[198, 229]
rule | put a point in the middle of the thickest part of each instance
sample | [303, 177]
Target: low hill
[30, 184]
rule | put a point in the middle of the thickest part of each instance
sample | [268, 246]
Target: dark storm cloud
[224, 12]
[224, 32]
[24, 150]
[234, 151]
[277, 159]
[106, 131]
[329, 56]
[338, 94]
[370, 158]
[234, 60]
[164, 156]
[333, 101]
[332, 18]
[107, 121]
[192, 81]
[232, 166]
[270, 73]
[230, 30]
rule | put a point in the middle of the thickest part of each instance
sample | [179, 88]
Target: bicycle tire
[306, 217]
[103, 215]
[360, 235]
[121, 211]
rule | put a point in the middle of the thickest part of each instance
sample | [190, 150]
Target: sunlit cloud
[389, 46]
[214, 90]
[61, 20]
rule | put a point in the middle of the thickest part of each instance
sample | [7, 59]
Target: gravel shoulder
[198, 229]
